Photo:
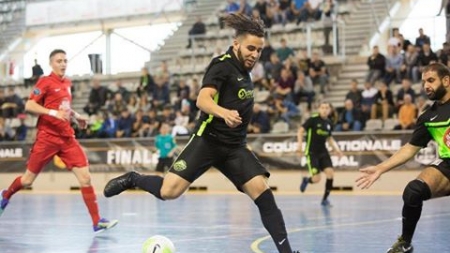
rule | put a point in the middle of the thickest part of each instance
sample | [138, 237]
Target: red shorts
[47, 146]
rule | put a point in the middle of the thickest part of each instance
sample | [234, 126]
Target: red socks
[90, 199]
[13, 188]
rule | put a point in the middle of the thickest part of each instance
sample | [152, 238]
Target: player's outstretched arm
[35, 108]
[371, 174]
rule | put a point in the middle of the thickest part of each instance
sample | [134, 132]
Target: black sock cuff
[151, 184]
[266, 201]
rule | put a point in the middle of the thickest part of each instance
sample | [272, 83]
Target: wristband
[52, 112]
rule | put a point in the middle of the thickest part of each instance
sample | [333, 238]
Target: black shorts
[164, 164]
[443, 166]
[237, 163]
[318, 162]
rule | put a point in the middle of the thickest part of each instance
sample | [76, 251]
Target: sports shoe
[119, 184]
[401, 246]
[304, 183]
[3, 203]
[104, 224]
[326, 203]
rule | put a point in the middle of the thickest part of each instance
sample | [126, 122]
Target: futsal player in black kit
[318, 131]
[226, 102]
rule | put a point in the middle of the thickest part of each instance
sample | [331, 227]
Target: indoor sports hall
[138, 64]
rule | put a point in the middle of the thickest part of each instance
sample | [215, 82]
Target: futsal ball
[158, 244]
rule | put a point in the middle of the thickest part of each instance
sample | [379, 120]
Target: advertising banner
[274, 151]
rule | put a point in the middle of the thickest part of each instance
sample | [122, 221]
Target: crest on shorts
[180, 165]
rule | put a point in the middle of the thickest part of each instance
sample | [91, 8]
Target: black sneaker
[304, 183]
[401, 246]
[119, 184]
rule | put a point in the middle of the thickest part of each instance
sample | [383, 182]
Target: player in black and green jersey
[318, 132]
[226, 101]
[434, 180]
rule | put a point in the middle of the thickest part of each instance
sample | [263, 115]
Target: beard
[438, 94]
[242, 60]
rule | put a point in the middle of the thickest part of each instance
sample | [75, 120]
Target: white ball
[158, 244]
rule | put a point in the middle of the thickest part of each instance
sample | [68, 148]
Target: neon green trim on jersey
[437, 124]
[308, 141]
[225, 56]
[209, 119]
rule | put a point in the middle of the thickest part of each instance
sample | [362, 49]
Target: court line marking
[255, 245]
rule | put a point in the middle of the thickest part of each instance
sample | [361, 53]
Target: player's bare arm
[205, 102]
[300, 133]
[79, 119]
[35, 108]
[371, 174]
[335, 146]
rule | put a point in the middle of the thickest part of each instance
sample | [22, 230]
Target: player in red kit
[51, 100]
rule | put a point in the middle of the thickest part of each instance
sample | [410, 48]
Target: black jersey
[234, 92]
[317, 132]
[434, 124]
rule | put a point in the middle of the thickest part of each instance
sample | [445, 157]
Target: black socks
[151, 184]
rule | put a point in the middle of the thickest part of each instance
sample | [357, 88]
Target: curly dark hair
[244, 25]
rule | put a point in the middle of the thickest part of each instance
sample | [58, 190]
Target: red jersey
[53, 92]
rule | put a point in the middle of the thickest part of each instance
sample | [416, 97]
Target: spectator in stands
[22, 129]
[260, 10]
[273, 67]
[123, 91]
[422, 104]
[444, 53]
[168, 116]
[284, 51]
[109, 125]
[2, 101]
[426, 56]
[422, 39]
[312, 10]
[318, 72]
[245, 8]
[406, 89]
[407, 114]
[37, 72]
[146, 83]
[198, 28]
[285, 108]
[181, 123]
[297, 9]
[394, 62]
[354, 94]
[183, 88]
[266, 52]
[368, 99]
[303, 88]
[284, 7]
[4, 135]
[97, 97]
[231, 7]
[161, 96]
[117, 104]
[328, 20]
[409, 68]
[377, 66]
[259, 77]
[384, 103]
[285, 84]
[303, 61]
[95, 124]
[260, 122]
[350, 119]
[144, 105]
[394, 40]
[163, 74]
[138, 123]
[151, 124]
[13, 104]
[133, 105]
[273, 11]
[124, 124]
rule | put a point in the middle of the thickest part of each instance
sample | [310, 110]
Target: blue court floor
[222, 223]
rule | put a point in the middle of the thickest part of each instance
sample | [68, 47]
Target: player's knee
[85, 180]
[168, 193]
[416, 192]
